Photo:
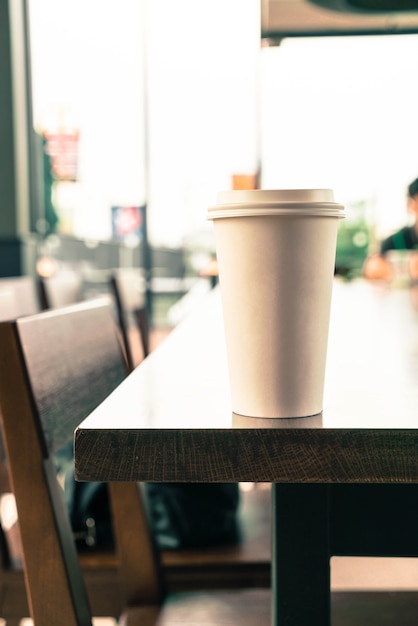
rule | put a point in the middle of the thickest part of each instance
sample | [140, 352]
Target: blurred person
[49, 223]
[378, 266]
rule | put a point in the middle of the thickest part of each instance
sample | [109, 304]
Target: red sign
[62, 148]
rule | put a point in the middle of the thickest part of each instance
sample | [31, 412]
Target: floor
[349, 574]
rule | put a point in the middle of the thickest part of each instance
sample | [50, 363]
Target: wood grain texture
[277, 455]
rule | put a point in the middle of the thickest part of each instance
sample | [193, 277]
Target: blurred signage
[62, 148]
[128, 223]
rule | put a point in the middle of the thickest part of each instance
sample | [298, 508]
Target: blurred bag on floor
[182, 515]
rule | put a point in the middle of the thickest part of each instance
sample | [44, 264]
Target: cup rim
[258, 202]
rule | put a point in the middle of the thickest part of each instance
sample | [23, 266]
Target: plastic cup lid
[257, 202]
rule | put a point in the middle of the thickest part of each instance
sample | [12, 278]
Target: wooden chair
[128, 287]
[246, 563]
[49, 386]
[18, 297]
[61, 289]
[101, 571]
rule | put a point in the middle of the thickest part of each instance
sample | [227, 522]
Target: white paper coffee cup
[276, 259]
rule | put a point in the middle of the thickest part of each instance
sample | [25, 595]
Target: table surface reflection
[171, 420]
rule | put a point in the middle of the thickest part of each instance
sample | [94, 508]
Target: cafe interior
[132, 491]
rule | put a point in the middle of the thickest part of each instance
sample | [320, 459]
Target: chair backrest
[131, 287]
[61, 289]
[18, 297]
[128, 287]
[56, 367]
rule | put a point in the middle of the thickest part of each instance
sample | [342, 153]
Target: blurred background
[142, 110]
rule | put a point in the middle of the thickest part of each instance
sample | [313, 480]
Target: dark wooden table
[171, 420]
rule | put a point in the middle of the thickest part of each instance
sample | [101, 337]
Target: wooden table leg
[300, 555]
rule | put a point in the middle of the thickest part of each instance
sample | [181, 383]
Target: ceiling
[303, 18]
